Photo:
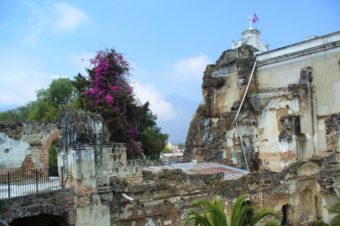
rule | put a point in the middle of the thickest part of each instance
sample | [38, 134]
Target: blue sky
[168, 43]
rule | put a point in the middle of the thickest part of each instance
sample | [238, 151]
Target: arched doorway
[52, 159]
[48, 156]
[285, 215]
[39, 220]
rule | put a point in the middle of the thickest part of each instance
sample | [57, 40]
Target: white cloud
[159, 106]
[18, 87]
[68, 17]
[189, 68]
[57, 18]
[21, 76]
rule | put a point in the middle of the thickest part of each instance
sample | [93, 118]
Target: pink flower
[108, 99]
[115, 88]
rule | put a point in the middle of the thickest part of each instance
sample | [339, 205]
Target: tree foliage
[244, 213]
[108, 92]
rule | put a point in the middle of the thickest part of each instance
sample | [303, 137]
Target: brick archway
[53, 136]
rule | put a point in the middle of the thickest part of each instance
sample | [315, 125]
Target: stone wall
[26, 144]
[56, 203]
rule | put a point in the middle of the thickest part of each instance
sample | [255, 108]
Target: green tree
[243, 213]
[153, 141]
[7, 116]
[60, 93]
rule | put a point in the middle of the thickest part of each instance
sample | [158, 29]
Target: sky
[167, 43]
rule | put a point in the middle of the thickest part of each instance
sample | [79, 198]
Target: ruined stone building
[269, 127]
[98, 185]
[275, 111]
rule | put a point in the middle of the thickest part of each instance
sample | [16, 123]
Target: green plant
[243, 213]
[335, 209]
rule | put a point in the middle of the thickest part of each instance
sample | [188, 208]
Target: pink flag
[255, 18]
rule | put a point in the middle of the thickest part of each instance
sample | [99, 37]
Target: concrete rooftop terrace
[230, 173]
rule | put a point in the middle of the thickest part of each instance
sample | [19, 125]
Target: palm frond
[260, 214]
[237, 208]
[197, 218]
[208, 213]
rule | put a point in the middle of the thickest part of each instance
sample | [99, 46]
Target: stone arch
[52, 137]
[56, 212]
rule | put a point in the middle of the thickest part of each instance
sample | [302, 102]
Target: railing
[19, 183]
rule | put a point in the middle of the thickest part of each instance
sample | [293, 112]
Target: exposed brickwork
[53, 136]
[28, 164]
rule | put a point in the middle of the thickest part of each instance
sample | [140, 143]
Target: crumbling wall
[301, 193]
[26, 144]
[160, 198]
[332, 127]
[83, 159]
[223, 87]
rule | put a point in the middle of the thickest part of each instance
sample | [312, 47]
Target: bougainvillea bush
[111, 95]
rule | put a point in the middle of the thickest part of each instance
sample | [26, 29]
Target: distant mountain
[7, 107]
[177, 128]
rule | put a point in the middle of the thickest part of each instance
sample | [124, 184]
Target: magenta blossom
[133, 132]
[108, 99]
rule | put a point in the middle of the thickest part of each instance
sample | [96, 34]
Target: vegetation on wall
[105, 90]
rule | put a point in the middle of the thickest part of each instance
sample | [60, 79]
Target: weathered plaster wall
[13, 152]
[314, 105]
[93, 214]
[30, 141]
